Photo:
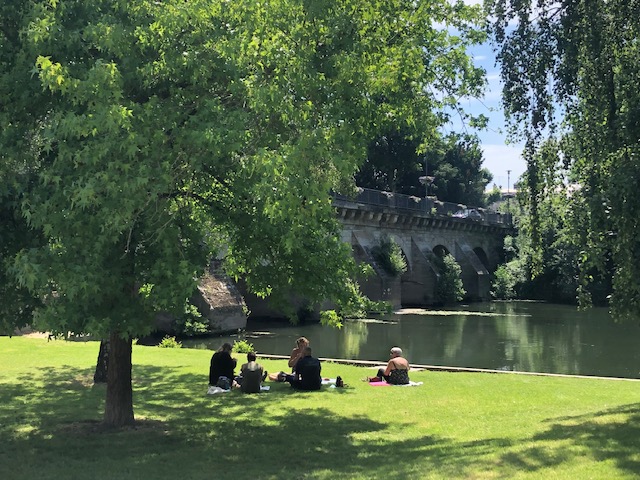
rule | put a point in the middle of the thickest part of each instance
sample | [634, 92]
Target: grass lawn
[456, 425]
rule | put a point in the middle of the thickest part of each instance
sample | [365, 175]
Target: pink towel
[379, 384]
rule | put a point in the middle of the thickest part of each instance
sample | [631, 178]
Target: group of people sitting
[223, 365]
[305, 370]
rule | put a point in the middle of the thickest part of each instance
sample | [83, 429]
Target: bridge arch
[425, 236]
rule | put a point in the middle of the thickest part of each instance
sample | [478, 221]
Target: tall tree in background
[458, 173]
[17, 303]
[150, 136]
[549, 271]
[393, 165]
[577, 61]
[455, 161]
[17, 174]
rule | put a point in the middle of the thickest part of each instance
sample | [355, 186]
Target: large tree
[150, 136]
[396, 161]
[457, 169]
[570, 69]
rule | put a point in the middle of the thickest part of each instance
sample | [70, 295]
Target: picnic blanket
[385, 384]
[213, 390]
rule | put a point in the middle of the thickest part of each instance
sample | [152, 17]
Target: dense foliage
[549, 270]
[452, 163]
[169, 342]
[449, 288]
[389, 256]
[459, 176]
[570, 70]
[243, 346]
[141, 138]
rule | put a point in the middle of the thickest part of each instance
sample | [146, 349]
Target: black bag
[224, 383]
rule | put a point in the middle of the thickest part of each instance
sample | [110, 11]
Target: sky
[499, 156]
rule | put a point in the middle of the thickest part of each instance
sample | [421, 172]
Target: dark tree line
[452, 165]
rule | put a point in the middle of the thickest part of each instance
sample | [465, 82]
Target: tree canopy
[140, 138]
[570, 70]
[454, 162]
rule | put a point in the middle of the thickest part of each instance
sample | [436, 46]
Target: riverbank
[416, 367]
[461, 425]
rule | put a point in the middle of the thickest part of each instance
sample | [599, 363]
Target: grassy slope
[456, 425]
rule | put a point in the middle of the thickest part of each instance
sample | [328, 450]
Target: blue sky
[499, 157]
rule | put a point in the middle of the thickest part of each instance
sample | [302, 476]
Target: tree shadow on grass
[49, 428]
[53, 431]
[611, 434]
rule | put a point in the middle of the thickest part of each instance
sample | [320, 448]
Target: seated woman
[251, 375]
[397, 371]
[306, 375]
[222, 365]
[296, 354]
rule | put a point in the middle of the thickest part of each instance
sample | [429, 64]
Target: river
[516, 336]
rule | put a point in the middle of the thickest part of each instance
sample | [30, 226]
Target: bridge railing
[427, 206]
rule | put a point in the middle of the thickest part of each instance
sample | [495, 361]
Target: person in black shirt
[222, 364]
[307, 373]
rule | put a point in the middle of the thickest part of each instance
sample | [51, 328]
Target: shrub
[169, 342]
[366, 307]
[503, 285]
[388, 255]
[449, 288]
[242, 346]
[358, 307]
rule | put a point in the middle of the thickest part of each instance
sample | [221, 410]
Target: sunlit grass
[456, 425]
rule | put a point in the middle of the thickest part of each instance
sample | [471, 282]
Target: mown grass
[456, 425]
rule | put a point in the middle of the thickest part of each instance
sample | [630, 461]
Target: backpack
[224, 383]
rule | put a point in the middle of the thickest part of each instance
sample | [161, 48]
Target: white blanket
[213, 390]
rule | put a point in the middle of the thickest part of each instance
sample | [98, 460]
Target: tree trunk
[102, 364]
[118, 410]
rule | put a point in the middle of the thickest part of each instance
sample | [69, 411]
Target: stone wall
[219, 301]
[477, 246]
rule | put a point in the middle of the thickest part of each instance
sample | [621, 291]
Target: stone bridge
[425, 229]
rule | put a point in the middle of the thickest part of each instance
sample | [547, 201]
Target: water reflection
[523, 336]
[355, 335]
